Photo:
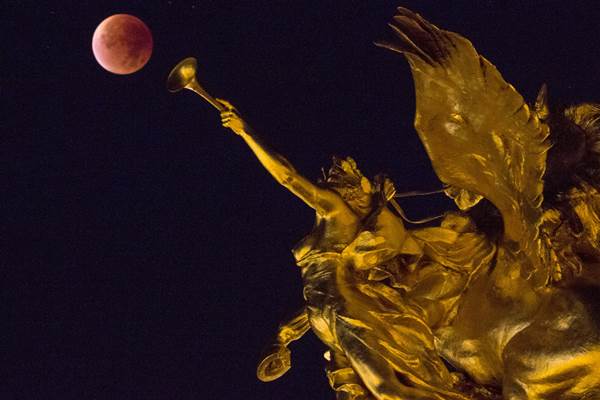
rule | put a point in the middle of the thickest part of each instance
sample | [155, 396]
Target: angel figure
[501, 300]
[360, 320]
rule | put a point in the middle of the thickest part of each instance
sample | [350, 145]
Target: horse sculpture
[501, 299]
[529, 318]
[514, 306]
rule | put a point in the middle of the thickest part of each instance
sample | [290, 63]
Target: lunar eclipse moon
[122, 44]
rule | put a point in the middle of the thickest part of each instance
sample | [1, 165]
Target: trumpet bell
[182, 74]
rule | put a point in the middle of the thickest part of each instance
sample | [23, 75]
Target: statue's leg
[557, 355]
[534, 369]
[366, 355]
[343, 379]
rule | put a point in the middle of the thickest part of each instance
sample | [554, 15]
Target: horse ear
[541, 103]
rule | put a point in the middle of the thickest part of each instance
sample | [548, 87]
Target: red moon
[122, 44]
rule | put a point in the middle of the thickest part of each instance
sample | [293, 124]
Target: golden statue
[501, 300]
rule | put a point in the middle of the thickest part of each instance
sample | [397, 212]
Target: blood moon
[122, 44]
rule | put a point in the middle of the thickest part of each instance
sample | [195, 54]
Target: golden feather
[478, 131]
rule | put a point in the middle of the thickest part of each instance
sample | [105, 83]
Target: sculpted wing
[480, 135]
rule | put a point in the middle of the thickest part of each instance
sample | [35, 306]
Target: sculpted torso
[332, 257]
[319, 255]
[507, 311]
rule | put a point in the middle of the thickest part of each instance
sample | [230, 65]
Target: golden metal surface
[452, 311]
[183, 76]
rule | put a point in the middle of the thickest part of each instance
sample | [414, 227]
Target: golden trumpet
[183, 76]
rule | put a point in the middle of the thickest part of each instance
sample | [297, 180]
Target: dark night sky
[146, 254]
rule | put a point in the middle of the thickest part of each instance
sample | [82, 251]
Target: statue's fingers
[226, 104]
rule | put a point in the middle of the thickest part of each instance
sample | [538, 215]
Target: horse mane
[571, 221]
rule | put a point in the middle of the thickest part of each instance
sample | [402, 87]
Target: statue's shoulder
[457, 244]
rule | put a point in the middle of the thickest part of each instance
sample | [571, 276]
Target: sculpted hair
[346, 178]
[587, 117]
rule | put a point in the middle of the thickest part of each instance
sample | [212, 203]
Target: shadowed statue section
[469, 308]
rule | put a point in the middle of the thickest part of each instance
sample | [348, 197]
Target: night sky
[145, 252]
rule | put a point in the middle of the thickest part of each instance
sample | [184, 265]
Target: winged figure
[528, 321]
[501, 300]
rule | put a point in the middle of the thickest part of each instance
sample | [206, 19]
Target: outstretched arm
[321, 199]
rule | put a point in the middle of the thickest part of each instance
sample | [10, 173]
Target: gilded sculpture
[500, 300]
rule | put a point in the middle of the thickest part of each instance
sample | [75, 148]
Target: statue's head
[345, 178]
[575, 152]
[587, 117]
